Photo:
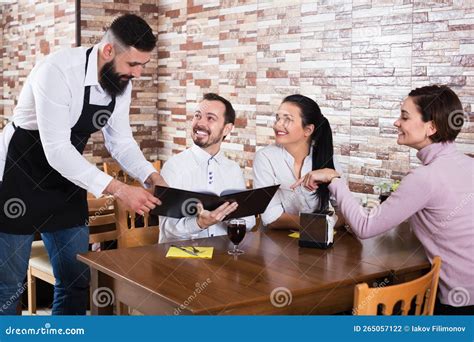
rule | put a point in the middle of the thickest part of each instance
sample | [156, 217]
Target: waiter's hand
[134, 198]
[155, 179]
[206, 218]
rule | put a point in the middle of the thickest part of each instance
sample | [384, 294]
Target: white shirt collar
[202, 156]
[289, 158]
[91, 73]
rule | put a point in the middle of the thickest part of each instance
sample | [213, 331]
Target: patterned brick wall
[30, 31]
[2, 16]
[95, 17]
[357, 59]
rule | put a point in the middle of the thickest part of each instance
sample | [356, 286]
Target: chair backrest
[422, 290]
[113, 169]
[131, 234]
[249, 183]
[157, 165]
[101, 220]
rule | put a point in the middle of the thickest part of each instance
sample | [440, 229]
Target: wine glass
[236, 229]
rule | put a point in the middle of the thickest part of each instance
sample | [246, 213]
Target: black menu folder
[179, 203]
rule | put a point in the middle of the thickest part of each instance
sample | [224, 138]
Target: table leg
[102, 293]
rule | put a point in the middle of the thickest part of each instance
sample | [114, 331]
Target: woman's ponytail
[321, 141]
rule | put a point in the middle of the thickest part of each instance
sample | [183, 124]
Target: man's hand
[206, 218]
[311, 180]
[155, 179]
[134, 198]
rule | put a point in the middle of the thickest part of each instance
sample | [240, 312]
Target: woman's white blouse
[274, 165]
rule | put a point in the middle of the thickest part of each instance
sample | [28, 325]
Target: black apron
[35, 197]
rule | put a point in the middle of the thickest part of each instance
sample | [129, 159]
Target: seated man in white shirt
[203, 167]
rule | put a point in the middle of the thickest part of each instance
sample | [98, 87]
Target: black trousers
[443, 309]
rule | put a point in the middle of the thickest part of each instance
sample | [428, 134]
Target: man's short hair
[130, 30]
[229, 114]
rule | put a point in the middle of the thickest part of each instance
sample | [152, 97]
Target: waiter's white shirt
[274, 165]
[196, 170]
[51, 101]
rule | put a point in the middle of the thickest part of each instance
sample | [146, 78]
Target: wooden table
[318, 281]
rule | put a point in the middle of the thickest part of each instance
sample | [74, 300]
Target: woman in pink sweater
[437, 198]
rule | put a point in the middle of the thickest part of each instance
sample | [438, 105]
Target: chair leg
[31, 293]
[19, 308]
[122, 309]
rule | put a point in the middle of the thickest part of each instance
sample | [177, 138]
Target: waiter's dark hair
[321, 140]
[132, 31]
[440, 104]
[229, 114]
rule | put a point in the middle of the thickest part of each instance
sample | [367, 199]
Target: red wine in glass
[236, 229]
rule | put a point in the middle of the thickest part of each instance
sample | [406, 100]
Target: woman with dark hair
[303, 143]
[437, 198]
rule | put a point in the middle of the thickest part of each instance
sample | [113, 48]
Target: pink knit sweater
[438, 200]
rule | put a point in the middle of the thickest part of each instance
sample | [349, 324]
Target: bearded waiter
[45, 179]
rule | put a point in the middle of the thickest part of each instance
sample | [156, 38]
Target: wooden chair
[422, 290]
[101, 229]
[101, 219]
[113, 169]
[157, 165]
[249, 183]
[131, 235]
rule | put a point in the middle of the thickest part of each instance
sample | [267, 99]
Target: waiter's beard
[111, 81]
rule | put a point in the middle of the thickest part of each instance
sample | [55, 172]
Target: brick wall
[30, 31]
[358, 60]
[95, 17]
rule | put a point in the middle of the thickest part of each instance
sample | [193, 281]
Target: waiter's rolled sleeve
[99, 183]
[145, 172]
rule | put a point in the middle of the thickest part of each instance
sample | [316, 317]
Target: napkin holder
[317, 229]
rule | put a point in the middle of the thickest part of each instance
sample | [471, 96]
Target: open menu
[179, 203]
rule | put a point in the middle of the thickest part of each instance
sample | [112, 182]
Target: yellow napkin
[204, 252]
[296, 235]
